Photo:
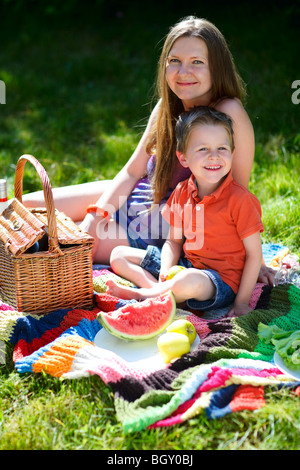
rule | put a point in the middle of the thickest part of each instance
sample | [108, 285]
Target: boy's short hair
[201, 115]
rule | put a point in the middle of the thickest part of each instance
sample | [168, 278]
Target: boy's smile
[208, 155]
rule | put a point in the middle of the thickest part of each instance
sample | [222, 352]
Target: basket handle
[48, 195]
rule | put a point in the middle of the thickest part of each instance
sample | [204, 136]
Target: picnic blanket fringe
[226, 373]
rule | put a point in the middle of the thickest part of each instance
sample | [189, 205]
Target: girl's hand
[266, 275]
[88, 222]
[238, 310]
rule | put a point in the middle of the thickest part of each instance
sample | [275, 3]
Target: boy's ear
[182, 159]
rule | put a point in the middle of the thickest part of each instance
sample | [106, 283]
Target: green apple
[183, 327]
[172, 346]
[173, 271]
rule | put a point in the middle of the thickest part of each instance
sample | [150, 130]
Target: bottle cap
[3, 190]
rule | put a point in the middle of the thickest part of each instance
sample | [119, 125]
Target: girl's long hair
[226, 83]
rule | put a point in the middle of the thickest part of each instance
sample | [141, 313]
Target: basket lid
[68, 233]
[19, 228]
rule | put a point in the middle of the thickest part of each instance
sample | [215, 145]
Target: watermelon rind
[147, 316]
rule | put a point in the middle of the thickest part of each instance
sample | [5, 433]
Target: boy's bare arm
[250, 273]
[170, 253]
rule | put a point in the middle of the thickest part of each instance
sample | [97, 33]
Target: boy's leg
[187, 284]
[125, 261]
[192, 283]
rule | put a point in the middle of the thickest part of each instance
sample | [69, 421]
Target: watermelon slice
[141, 320]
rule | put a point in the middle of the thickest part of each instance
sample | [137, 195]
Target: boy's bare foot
[122, 292]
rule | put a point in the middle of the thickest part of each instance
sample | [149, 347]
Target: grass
[44, 413]
[78, 93]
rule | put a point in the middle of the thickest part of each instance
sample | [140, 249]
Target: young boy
[216, 221]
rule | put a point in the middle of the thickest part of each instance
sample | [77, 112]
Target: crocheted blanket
[227, 372]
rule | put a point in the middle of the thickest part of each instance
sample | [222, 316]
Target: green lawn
[79, 85]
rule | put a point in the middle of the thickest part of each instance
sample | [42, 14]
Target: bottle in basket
[3, 195]
[288, 276]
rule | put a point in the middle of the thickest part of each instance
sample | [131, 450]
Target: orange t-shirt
[214, 227]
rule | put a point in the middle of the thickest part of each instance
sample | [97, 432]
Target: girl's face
[187, 72]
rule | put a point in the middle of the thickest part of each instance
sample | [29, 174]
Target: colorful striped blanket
[227, 372]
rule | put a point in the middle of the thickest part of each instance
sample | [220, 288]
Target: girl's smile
[186, 83]
[187, 71]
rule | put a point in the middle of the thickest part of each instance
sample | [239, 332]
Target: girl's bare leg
[107, 236]
[188, 284]
[72, 200]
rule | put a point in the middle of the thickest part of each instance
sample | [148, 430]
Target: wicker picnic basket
[60, 274]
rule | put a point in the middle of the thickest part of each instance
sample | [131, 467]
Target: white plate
[132, 351]
[279, 362]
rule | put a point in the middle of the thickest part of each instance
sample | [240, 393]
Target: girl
[195, 68]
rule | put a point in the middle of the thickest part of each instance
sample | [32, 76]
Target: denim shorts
[223, 297]
[137, 242]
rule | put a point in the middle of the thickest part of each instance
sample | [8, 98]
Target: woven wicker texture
[59, 276]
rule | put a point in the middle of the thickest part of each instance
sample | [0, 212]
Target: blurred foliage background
[79, 82]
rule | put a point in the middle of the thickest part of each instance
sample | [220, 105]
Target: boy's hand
[252, 265]
[238, 310]
[162, 277]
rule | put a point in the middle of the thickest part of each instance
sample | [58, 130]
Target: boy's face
[208, 154]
